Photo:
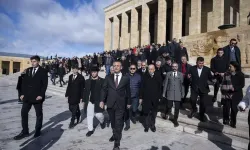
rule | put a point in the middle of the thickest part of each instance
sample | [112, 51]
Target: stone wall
[24, 63]
[206, 44]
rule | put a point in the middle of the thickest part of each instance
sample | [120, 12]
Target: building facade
[11, 63]
[129, 23]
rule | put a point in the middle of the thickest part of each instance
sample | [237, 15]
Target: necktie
[34, 71]
[116, 81]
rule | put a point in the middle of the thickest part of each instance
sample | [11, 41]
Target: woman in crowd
[231, 89]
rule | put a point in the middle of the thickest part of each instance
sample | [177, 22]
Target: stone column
[244, 12]
[107, 34]
[195, 19]
[145, 25]
[124, 41]
[11, 67]
[134, 28]
[116, 23]
[218, 14]
[162, 20]
[177, 19]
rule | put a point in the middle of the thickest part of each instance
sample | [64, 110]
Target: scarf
[226, 86]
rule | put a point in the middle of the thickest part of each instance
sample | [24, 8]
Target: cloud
[46, 27]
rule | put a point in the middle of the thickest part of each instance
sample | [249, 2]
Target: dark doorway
[6, 67]
[16, 67]
[139, 23]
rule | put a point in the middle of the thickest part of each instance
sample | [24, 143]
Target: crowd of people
[137, 82]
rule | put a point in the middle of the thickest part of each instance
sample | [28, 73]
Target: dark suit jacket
[75, 89]
[150, 92]
[179, 53]
[188, 66]
[87, 93]
[32, 87]
[120, 95]
[200, 83]
[139, 71]
[227, 52]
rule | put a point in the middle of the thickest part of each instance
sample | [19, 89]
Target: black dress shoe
[232, 125]
[163, 116]
[176, 124]
[214, 99]
[146, 130]
[21, 136]
[126, 128]
[116, 148]
[37, 134]
[103, 125]
[89, 133]
[203, 118]
[153, 129]
[226, 122]
[133, 120]
[71, 125]
[112, 139]
[192, 114]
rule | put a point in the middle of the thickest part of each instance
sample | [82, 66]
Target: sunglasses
[132, 68]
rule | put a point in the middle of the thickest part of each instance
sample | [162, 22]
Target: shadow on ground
[50, 134]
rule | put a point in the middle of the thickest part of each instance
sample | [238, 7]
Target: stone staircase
[212, 130]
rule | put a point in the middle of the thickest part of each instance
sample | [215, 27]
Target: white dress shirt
[74, 76]
[35, 70]
[175, 73]
[119, 77]
[199, 71]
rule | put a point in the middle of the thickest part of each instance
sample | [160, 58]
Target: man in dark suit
[61, 73]
[74, 93]
[91, 98]
[33, 91]
[116, 92]
[199, 76]
[179, 52]
[150, 94]
[143, 70]
[184, 68]
[218, 66]
[232, 52]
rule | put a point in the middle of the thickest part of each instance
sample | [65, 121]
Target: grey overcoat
[173, 86]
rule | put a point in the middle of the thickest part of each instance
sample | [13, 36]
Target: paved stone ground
[57, 136]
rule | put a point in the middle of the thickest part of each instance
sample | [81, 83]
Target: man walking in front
[174, 88]
[135, 85]
[74, 93]
[91, 98]
[199, 76]
[34, 86]
[150, 95]
[116, 92]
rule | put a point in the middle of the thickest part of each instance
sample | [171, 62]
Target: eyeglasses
[132, 68]
[174, 66]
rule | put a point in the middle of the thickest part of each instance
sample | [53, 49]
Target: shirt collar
[119, 74]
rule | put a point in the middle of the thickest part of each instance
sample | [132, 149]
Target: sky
[49, 27]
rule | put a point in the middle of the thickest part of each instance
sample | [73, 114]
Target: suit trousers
[75, 110]
[194, 96]
[61, 80]
[227, 106]
[131, 113]
[25, 116]
[116, 116]
[149, 119]
[91, 114]
[176, 108]
[217, 85]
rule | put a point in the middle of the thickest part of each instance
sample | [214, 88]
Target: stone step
[234, 141]
[217, 126]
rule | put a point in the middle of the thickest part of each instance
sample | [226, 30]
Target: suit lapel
[121, 81]
[38, 69]
[112, 81]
